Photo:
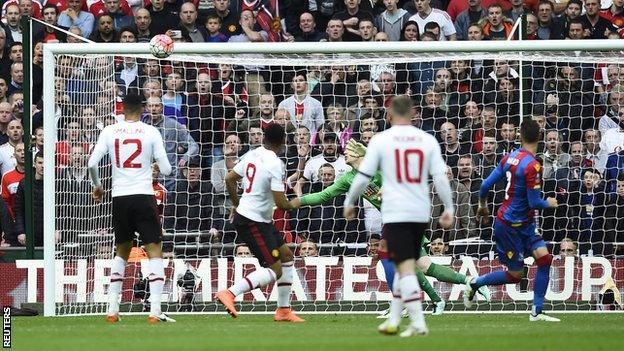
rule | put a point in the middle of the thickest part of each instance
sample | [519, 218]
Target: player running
[514, 229]
[354, 155]
[407, 156]
[263, 175]
[131, 145]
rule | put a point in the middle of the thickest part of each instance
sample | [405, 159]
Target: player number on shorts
[405, 165]
[250, 173]
[128, 162]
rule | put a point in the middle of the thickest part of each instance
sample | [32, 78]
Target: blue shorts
[515, 243]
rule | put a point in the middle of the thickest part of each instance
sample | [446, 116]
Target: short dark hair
[213, 16]
[432, 25]
[529, 131]
[428, 35]
[620, 177]
[39, 154]
[49, 6]
[401, 106]
[274, 134]
[132, 103]
[301, 72]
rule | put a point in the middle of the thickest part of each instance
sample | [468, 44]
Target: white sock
[258, 278]
[156, 282]
[396, 305]
[410, 293]
[118, 268]
[284, 284]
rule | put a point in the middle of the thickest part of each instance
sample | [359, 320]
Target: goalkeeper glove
[355, 148]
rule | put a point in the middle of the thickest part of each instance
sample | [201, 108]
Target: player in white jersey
[132, 145]
[406, 156]
[263, 181]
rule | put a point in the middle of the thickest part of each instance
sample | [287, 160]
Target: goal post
[75, 280]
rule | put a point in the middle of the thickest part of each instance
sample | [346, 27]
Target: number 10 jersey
[263, 172]
[407, 158]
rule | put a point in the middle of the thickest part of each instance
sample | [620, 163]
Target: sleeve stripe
[364, 174]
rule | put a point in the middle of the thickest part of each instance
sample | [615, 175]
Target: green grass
[322, 332]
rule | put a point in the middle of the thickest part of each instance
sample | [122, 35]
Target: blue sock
[494, 278]
[388, 267]
[539, 290]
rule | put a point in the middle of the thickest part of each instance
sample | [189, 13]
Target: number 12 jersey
[131, 146]
[263, 172]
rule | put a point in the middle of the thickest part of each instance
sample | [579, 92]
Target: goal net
[211, 106]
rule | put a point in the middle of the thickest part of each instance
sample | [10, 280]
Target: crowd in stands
[210, 115]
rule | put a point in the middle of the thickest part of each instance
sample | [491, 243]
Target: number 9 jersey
[132, 146]
[263, 172]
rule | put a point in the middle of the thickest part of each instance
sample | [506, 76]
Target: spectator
[73, 16]
[496, 27]
[338, 124]
[308, 248]
[333, 88]
[213, 29]
[554, 158]
[427, 14]
[597, 26]
[373, 245]
[488, 159]
[438, 247]
[589, 202]
[615, 14]
[179, 144]
[120, 19]
[231, 152]
[17, 78]
[351, 17]
[229, 19]
[105, 32]
[576, 30]
[567, 248]
[330, 155]
[162, 16]
[188, 24]
[611, 118]
[48, 34]
[20, 205]
[247, 23]
[464, 225]
[307, 25]
[469, 124]
[615, 216]
[13, 16]
[266, 109]
[303, 108]
[508, 134]
[76, 37]
[242, 251]
[335, 30]
[392, 20]
[452, 149]
[255, 135]
[11, 179]
[578, 162]
[613, 138]
[467, 176]
[143, 22]
[128, 35]
[367, 30]
[548, 28]
[6, 115]
[516, 11]
[595, 153]
[189, 207]
[7, 150]
[473, 14]
[532, 26]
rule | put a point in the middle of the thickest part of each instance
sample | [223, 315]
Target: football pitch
[321, 332]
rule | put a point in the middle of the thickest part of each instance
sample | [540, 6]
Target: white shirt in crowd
[447, 28]
[310, 172]
[407, 157]
[263, 172]
[131, 146]
[7, 158]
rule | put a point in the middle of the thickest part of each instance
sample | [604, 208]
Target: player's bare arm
[281, 201]
[231, 184]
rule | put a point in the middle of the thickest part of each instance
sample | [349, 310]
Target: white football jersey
[132, 146]
[407, 157]
[263, 172]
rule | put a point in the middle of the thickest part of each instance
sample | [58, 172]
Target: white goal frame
[519, 48]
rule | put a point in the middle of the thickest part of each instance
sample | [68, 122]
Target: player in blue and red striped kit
[514, 229]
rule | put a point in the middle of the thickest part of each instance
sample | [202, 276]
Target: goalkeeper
[354, 154]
